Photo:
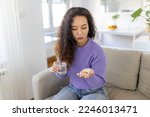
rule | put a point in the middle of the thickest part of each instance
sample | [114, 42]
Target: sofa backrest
[144, 76]
[122, 67]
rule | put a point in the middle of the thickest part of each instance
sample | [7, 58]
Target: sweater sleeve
[61, 76]
[98, 64]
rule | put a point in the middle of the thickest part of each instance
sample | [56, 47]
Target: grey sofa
[127, 77]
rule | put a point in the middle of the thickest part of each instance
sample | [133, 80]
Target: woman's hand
[86, 73]
[54, 67]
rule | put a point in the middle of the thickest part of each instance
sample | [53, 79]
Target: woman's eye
[84, 27]
[74, 29]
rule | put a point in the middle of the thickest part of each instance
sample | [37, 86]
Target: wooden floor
[50, 61]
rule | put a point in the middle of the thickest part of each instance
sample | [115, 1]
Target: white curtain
[12, 72]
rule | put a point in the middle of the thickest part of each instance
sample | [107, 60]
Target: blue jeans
[71, 93]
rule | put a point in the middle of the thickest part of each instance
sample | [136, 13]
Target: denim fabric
[71, 93]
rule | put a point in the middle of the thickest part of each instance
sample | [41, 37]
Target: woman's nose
[79, 31]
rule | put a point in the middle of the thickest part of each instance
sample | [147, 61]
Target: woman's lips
[80, 38]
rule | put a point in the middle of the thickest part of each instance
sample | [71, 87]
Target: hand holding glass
[59, 67]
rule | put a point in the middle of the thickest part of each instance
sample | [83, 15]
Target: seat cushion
[121, 94]
[122, 67]
[144, 76]
[49, 98]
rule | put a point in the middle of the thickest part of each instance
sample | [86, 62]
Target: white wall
[50, 48]
[92, 5]
[102, 20]
[33, 41]
[77, 3]
[124, 21]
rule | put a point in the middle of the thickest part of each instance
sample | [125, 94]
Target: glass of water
[62, 67]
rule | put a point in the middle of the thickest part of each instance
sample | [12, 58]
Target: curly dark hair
[66, 45]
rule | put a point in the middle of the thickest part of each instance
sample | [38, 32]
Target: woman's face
[80, 29]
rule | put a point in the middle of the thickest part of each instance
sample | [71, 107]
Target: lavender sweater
[88, 56]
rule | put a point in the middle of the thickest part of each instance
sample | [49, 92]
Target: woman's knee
[65, 94]
[94, 96]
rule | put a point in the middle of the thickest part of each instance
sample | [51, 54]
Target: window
[53, 12]
[120, 5]
[58, 14]
[45, 13]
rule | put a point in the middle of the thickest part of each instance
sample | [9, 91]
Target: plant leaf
[136, 13]
[115, 17]
[148, 14]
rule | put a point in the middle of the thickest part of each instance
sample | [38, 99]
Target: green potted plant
[114, 18]
[143, 12]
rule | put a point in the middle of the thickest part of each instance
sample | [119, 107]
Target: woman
[85, 59]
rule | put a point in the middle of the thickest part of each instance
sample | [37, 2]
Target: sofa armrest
[46, 84]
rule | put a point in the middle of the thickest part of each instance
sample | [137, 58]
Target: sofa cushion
[122, 94]
[122, 67]
[144, 76]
